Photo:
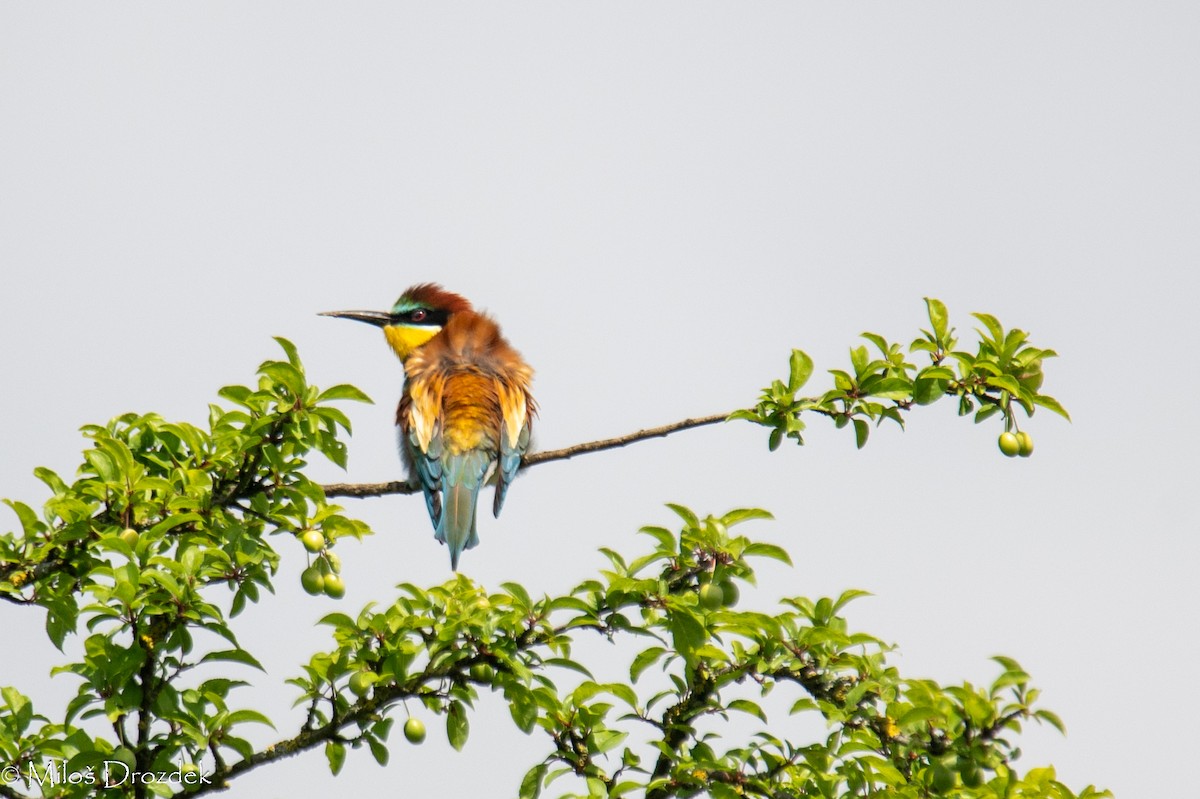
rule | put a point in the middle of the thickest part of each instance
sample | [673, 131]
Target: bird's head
[419, 315]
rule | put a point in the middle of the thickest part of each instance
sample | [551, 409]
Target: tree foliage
[169, 531]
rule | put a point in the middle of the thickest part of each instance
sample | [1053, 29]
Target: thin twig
[401, 487]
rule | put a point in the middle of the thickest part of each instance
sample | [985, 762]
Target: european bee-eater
[466, 412]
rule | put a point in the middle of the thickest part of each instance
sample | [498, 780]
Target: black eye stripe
[425, 317]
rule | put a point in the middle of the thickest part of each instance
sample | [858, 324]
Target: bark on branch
[401, 487]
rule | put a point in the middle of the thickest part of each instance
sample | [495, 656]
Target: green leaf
[289, 349]
[1006, 382]
[646, 560]
[993, 326]
[622, 692]
[940, 372]
[343, 391]
[234, 656]
[938, 317]
[522, 706]
[51, 479]
[861, 431]
[335, 753]
[237, 394]
[687, 633]
[985, 412]
[284, 374]
[746, 706]
[893, 414]
[859, 358]
[846, 597]
[61, 614]
[173, 521]
[919, 715]
[689, 518]
[585, 691]
[842, 381]
[879, 341]
[800, 368]
[739, 515]
[567, 663]
[895, 388]
[29, 519]
[245, 716]
[378, 750]
[767, 551]
[1012, 343]
[102, 465]
[1052, 719]
[644, 660]
[568, 603]
[927, 391]
[457, 726]
[1051, 403]
[987, 365]
[338, 621]
[608, 740]
[664, 537]
[518, 592]
[531, 785]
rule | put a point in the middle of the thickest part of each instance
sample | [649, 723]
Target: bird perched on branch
[466, 411]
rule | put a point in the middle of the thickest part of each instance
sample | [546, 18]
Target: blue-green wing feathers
[462, 477]
[508, 463]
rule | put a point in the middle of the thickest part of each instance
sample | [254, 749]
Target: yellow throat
[405, 339]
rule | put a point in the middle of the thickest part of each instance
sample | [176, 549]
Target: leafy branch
[1004, 374]
[167, 533]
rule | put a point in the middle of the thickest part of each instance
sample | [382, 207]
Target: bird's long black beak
[377, 318]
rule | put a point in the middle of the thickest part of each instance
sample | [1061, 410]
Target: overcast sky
[657, 201]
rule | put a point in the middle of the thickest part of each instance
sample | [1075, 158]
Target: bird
[466, 412]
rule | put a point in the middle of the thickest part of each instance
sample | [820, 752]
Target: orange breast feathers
[467, 383]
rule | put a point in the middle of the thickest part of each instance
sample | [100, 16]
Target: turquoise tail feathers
[462, 477]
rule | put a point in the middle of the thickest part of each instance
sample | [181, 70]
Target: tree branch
[677, 725]
[365, 711]
[402, 487]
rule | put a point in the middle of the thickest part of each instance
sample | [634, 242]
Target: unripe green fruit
[313, 541]
[334, 586]
[482, 673]
[124, 755]
[312, 580]
[361, 682]
[414, 730]
[1010, 445]
[129, 536]
[943, 778]
[711, 596]
[731, 593]
[972, 777]
[1025, 442]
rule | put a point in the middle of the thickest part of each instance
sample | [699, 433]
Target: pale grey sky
[657, 201]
